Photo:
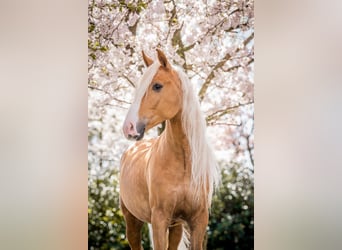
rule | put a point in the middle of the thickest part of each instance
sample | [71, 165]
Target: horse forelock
[145, 81]
[204, 169]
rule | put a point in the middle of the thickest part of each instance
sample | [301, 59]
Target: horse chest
[172, 190]
[170, 174]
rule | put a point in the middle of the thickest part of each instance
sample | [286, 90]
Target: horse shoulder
[133, 185]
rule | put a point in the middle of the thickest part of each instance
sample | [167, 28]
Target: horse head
[158, 97]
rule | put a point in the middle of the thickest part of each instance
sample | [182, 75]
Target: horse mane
[204, 169]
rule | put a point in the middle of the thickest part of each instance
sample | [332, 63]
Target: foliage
[231, 224]
[106, 227]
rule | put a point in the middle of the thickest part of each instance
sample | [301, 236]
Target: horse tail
[151, 234]
[185, 241]
[183, 244]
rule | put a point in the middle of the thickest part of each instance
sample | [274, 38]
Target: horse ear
[162, 59]
[148, 61]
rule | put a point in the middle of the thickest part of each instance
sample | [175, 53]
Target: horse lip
[140, 136]
[141, 130]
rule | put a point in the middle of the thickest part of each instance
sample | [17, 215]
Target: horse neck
[174, 139]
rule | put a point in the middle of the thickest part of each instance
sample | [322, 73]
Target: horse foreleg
[175, 236]
[133, 228]
[198, 229]
[160, 225]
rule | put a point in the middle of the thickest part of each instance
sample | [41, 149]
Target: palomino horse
[167, 181]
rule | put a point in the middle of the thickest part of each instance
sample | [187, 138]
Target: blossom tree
[213, 41]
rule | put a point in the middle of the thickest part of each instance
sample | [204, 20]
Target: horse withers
[167, 181]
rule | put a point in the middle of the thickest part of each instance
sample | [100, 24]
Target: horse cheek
[174, 107]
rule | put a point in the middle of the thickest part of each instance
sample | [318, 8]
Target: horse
[166, 181]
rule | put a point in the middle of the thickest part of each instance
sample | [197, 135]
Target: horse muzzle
[134, 131]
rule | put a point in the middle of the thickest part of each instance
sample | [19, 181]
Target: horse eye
[157, 87]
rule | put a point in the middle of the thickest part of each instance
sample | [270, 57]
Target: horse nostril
[134, 137]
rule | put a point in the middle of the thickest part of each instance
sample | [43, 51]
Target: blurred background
[213, 41]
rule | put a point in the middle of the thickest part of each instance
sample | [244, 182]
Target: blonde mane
[204, 169]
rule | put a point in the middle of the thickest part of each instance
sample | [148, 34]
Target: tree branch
[221, 112]
[129, 80]
[176, 39]
[108, 93]
[249, 147]
[220, 64]
[211, 75]
[223, 124]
